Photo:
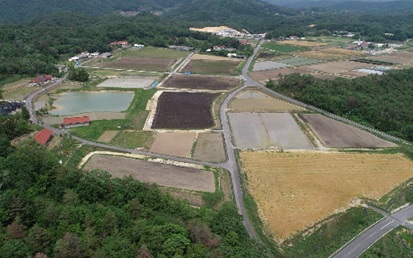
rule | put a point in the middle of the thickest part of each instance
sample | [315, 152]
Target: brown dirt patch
[329, 54]
[335, 67]
[184, 110]
[336, 134]
[136, 63]
[151, 172]
[210, 147]
[262, 103]
[391, 59]
[174, 144]
[273, 74]
[201, 82]
[107, 136]
[194, 198]
[302, 43]
[305, 188]
[211, 57]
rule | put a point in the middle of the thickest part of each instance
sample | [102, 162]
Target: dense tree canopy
[383, 102]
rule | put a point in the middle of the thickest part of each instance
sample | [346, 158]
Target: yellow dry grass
[215, 58]
[296, 190]
[303, 43]
[212, 29]
[331, 53]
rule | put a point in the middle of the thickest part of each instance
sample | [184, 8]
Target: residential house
[43, 137]
[138, 46]
[120, 44]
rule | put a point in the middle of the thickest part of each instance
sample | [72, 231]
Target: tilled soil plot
[201, 82]
[333, 133]
[184, 110]
[210, 147]
[151, 172]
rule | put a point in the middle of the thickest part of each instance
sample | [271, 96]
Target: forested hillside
[36, 48]
[61, 211]
[383, 102]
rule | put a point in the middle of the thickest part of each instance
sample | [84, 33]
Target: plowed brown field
[296, 190]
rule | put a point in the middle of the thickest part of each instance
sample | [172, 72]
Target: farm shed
[70, 122]
[43, 137]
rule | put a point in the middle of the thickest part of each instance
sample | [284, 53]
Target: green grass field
[133, 140]
[213, 67]
[283, 48]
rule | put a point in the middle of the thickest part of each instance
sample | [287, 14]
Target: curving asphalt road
[230, 165]
[367, 238]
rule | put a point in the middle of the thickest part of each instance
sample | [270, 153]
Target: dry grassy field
[135, 63]
[305, 188]
[208, 66]
[273, 74]
[107, 136]
[329, 54]
[257, 101]
[302, 43]
[151, 172]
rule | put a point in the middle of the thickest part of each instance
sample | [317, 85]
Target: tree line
[383, 101]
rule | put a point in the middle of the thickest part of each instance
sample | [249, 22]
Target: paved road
[230, 165]
[367, 238]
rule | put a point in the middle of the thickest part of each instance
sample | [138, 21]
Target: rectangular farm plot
[274, 73]
[135, 63]
[298, 61]
[174, 144]
[268, 65]
[201, 82]
[336, 67]
[151, 172]
[205, 66]
[210, 147]
[294, 191]
[128, 83]
[333, 133]
[257, 101]
[248, 131]
[183, 110]
[284, 131]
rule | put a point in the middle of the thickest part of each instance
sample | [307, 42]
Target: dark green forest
[382, 102]
[61, 211]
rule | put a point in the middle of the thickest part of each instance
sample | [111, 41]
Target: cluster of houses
[42, 80]
[45, 135]
[10, 107]
[84, 55]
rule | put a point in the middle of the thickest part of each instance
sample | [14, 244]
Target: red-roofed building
[43, 137]
[70, 122]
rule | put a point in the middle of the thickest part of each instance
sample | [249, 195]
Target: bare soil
[201, 82]
[335, 67]
[336, 134]
[208, 66]
[174, 144]
[184, 110]
[151, 172]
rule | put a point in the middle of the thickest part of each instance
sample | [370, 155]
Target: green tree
[78, 74]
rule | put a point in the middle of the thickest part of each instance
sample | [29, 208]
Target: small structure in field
[138, 46]
[70, 122]
[43, 137]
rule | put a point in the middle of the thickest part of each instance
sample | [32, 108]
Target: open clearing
[128, 82]
[201, 82]
[151, 172]
[136, 63]
[174, 144]
[273, 74]
[133, 139]
[257, 101]
[17, 90]
[184, 110]
[206, 66]
[298, 61]
[267, 65]
[336, 67]
[294, 191]
[336, 134]
[210, 147]
[283, 48]
[107, 136]
[329, 54]
[303, 43]
[265, 130]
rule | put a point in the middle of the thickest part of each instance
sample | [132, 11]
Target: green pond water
[71, 103]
